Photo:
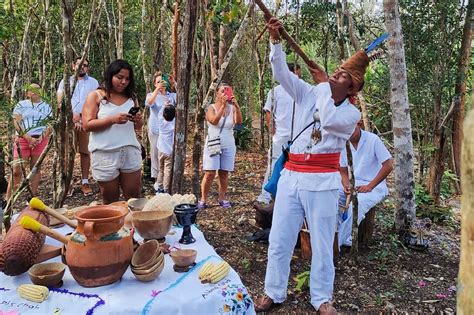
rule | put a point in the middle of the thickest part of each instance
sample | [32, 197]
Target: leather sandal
[264, 304]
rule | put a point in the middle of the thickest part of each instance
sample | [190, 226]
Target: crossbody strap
[291, 142]
[223, 123]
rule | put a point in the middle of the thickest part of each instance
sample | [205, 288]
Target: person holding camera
[220, 149]
[111, 114]
[156, 101]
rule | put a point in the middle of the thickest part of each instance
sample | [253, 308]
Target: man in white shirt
[84, 85]
[279, 115]
[309, 183]
[372, 164]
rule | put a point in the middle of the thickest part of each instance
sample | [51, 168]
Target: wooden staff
[267, 15]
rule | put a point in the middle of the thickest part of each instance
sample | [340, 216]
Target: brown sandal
[264, 304]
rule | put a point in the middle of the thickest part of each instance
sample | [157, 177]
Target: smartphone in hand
[228, 92]
[133, 111]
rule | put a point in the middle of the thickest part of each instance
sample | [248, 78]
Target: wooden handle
[51, 233]
[285, 35]
[60, 217]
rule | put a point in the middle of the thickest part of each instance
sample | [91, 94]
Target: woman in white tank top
[115, 150]
[221, 118]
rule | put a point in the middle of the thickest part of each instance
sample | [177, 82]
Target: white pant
[155, 169]
[272, 157]
[291, 206]
[366, 202]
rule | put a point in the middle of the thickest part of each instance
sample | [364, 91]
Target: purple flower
[154, 293]
[452, 289]
[421, 284]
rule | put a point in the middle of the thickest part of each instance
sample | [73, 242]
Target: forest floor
[385, 278]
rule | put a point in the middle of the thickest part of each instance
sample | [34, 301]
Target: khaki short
[82, 141]
[107, 165]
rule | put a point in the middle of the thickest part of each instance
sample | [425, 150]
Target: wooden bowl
[152, 274]
[150, 268]
[55, 223]
[152, 224]
[47, 274]
[145, 254]
[137, 204]
[183, 257]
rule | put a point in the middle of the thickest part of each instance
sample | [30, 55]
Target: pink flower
[441, 296]
[154, 293]
[9, 313]
[421, 284]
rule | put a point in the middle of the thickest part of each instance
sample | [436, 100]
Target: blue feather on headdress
[379, 40]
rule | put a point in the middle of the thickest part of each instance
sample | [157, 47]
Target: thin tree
[174, 37]
[460, 89]
[121, 18]
[186, 48]
[401, 121]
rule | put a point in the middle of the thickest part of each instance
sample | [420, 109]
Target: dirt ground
[385, 278]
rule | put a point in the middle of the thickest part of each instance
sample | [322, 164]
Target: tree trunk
[121, 18]
[261, 67]
[340, 30]
[222, 45]
[465, 298]
[460, 89]
[111, 36]
[184, 84]
[201, 77]
[230, 52]
[143, 48]
[174, 37]
[401, 121]
[159, 56]
[355, 202]
[213, 54]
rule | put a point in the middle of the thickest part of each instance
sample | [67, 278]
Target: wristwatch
[275, 41]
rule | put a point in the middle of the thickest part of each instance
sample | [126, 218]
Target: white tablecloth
[171, 293]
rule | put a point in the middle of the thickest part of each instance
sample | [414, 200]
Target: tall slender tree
[401, 121]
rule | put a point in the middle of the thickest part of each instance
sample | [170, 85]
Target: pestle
[29, 223]
[37, 204]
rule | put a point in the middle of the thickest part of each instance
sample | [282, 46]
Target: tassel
[376, 42]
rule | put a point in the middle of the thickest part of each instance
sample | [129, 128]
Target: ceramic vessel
[47, 274]
[183, 257]
[152, 224]
[186, 215]
[100, 249]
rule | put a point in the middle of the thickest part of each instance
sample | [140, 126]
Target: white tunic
[280, 104]
[337, 122]
[367, 159]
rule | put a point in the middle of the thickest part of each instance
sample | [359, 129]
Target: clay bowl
[137, 204]
[183, 257]
[145, 254]
[152, 224]
[47, 274]
[121, 204]
[152, 273]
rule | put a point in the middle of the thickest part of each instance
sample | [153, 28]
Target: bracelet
[275, 41]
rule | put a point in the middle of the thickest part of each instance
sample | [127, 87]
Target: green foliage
[446, 183]
[422, 197]
[302, 281]
[243, 134]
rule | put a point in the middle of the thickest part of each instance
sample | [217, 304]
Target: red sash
[314, 163]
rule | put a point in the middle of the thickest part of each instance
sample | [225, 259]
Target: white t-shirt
[81, 90]
[367, 159]
[166, 134]
[336, 122]
[282, 113]
[155, 108]
[33, 116]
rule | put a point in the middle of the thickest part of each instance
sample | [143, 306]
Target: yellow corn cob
[220, 273]
[205, 270]
[32, 292]
[29, 223]
[37, 204]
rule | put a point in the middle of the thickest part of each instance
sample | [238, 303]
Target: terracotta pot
[100, 249]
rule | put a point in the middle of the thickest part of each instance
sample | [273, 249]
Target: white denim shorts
[224, 161]
[107, 165]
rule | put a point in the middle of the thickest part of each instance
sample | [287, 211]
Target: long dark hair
[113, 69]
